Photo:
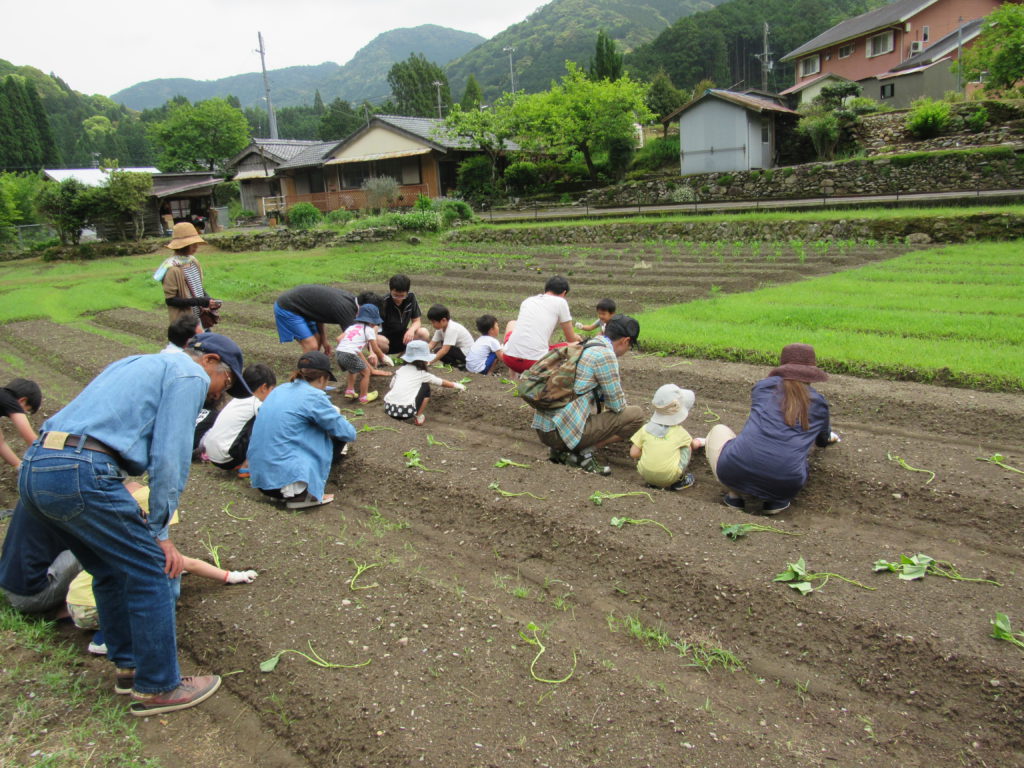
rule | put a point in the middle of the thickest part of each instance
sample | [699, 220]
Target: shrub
[724, 180]
[620, 155]
[423, 203]
[928, 118]
[823, 130]
[304, 216]
[658, 154]
[475, 179]
[381, 192]
[522, 177]
[682, 194]
[977, 120]
[414, 221]
[455, 209]
[339, 217]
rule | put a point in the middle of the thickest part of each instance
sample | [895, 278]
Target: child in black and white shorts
[410, 388]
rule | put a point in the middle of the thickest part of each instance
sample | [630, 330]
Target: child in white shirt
[410, 388]
[486, 352]
[351, 355]
[451, 342]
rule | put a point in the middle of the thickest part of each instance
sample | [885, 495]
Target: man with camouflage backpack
[598, 415]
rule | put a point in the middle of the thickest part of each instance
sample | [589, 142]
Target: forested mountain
[363, 77]
[720, 44]
[561, 30]
[81, 127]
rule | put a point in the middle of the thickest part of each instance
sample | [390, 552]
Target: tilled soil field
[456, 573]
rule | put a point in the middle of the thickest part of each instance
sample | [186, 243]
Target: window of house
[925, 34]
[766, 130]
[888, 91]
[880, 43]
[846, 51]
[810, 66]
[354, 174]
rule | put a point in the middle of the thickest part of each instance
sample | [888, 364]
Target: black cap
[318, 361]
[228, 352]
[622, 326]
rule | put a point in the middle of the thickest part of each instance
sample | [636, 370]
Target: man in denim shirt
[136, 417]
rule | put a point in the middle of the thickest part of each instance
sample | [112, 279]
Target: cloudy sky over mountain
[106, 45]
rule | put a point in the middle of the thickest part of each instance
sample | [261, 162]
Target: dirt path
[905, 674]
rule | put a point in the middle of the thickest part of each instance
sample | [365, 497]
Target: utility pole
[959, 51]
[437, 84]
[765, 57]
[266, 87]
[511, 72]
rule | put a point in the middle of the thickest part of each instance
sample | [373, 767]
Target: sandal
[368, 398]
[309, 501]
[351, 394]
[419, 419]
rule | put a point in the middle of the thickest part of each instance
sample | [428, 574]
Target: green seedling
[354, 413]
[1001, 631]
[797, 577]
[372, 428]
[735, 531]
[903, 463]
[619, 522]
[464, 381]
[676, 365]
[227, 511]
[502, 463]
[271, 664]
[535, 640]
[432, 441]
[1000, 461]
[413, 460]
[710, 416]
[508, 494]
[916, 566]
[213, 549]
[361, 568]
[443, 366]
[599, 497]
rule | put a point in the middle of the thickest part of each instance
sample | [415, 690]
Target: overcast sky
[102, 46]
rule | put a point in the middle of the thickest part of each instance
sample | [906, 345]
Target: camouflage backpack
[548, 384]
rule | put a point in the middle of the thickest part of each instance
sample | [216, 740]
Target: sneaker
[124, 681]
[774, 507]
[368, 398]
[736, 502]
[97, 646]
[191, 691]
[684, 482]
[588, 463]
[556, 456]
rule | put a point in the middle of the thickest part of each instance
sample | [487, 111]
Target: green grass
[64, 291]
[951, 314]
[55, 714]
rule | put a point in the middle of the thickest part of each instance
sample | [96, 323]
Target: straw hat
[799, 363]
[184, 234]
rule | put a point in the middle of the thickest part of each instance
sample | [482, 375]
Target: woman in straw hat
[768, 459]
[182, 278]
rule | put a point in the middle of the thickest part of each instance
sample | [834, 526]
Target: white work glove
[698, 443]
[579, 325]
[459, 386]
[240, 577]
[385, 360]
[834, 438]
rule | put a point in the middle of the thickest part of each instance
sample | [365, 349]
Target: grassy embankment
[952, 314]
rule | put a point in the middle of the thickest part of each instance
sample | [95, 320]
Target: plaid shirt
[597, 374]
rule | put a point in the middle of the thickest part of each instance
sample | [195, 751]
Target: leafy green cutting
[797, 577]
[372, 428]
[415, 461]
[500, 463]
[1001, 631]
[535, 640]
[464, 381]
[271, 664]
[736, 530]
[599, 497]
[227, 511]
[916, 566]
[1000, 461]
[710, 416]
[361, 568]
[213, 549]
[619, 522]
[432, 441]
[903, 463]
[508, 494]
[355, 412]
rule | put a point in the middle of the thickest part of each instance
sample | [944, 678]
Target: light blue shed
[724, 131]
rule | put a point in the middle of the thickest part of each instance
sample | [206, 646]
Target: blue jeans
[81, 494]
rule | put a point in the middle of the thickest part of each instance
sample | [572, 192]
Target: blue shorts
[292, 327]
[491, 357]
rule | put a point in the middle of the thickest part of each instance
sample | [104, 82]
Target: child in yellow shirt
[662, 446]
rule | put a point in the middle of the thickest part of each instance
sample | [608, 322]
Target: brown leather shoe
[191, 691]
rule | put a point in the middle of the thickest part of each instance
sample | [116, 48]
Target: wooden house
[254, 167]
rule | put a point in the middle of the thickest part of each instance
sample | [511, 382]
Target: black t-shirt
[29, 549]
[9, 403]
[397, 318]
[321, 304]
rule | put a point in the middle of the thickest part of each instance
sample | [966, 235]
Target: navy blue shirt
[768, 459]
[29, 549]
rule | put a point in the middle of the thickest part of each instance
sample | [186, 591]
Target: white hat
[672, 405]
[417, 350]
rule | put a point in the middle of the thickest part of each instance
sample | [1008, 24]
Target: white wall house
[725, 131]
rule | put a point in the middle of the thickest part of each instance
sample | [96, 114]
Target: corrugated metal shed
[746, 100]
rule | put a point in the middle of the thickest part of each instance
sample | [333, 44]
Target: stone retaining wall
[917, 230]
[297, 239]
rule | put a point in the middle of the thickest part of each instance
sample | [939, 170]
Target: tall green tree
[67, 207]
[581, 114]
[318, 104]
[998, 50]
[338, 121]
[664, 98]
[472, 97]
[488, 130]
[607, 61]
[413, 90]
[200, 137]
[129, 196]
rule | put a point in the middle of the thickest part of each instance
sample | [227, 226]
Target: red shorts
[517, 364]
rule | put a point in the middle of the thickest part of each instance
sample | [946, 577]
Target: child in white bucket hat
[662, 446]
[410, 387]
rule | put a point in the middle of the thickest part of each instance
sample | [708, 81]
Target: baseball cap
[228, 352]
[318, 361]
